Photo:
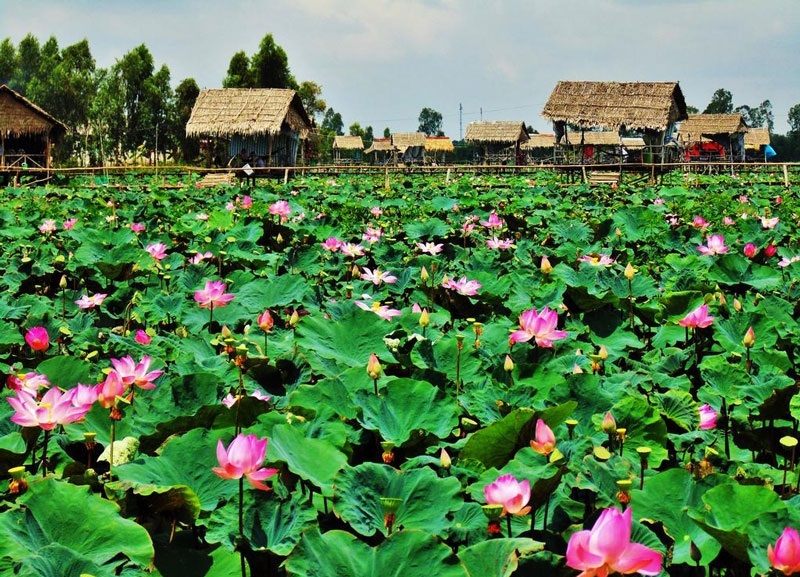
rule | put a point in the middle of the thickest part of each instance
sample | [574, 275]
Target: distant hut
[437, 148]
[27, 133]
[713, 136]
[268, 124]
[757, 144]
[347, 149]
[650, 108]
[539, 149]
[410, 147]
[382, 150]
[499, 140]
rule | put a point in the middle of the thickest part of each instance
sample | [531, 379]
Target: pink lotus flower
[213, 296]
[55, 408]
[540, 326]
[47, 226]
[658, 201]
[544, 441]
[69, 223]
[201, 256]
[280, 208]
[246, 202]
[784, 262]
[727, 221]
[332, 244]
[463, 286]
[714, 245]
[377, 276]
[770, 250]
[137, 227]
[769, 223]
[142, 337]
[596, 259]
[468, 227]
[750, 250]
[376, 211]
[89, 302]
[496, 243]
[157, 250]
[138, 374]
[352, 250]
[607, 548]
[697, 319]
[82, 395]
[110, 389]
[382, 311]
[785, 556]
[30, 382]
[509, 493]
[430, 247]
[372, 235]
[37, 339]
[265, 321]
[244, 457]
[708, 417]
[700, 222]
[201, 216]
[493, 221]
[230, 400]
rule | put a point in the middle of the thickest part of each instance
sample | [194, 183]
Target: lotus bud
[508, 365]
[355, 272]
[545, 266]
[445, 459]
[265, 321]
[630, 272]
[63, 282]
[424, 318]
[278, 238]
[423, 275]
[576, 369]
[737, 305]
[374, 368]
[609, 424]
[749, 338]
[294, 319]
[603, 353]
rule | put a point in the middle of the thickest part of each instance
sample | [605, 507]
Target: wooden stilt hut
[539, 149]
[437, 148]
[651, 109]
[499, 141]
[347, 149]
[265, 124]
[27, 133]
[410, 147]
[382, 151]
[756, 141]
[726, 132]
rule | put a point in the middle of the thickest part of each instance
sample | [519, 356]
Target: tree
[158, 118]
[721, 102]
[310, 95]
[239, 75]
[794, 119]
[8, 60]
[387, 133]
[270, 66]
[368, 136]
[185, 96]
[356, 130]
[333, 122]
[761, 115]
[430, 122]
[692, 109]
[29, 56]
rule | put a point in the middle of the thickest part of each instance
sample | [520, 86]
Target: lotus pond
[486, 376]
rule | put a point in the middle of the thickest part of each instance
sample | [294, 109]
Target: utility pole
[460, 121]
[481, 113]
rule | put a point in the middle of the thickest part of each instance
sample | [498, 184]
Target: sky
[380, 62]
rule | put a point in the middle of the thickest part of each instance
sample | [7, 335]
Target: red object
[705, 151]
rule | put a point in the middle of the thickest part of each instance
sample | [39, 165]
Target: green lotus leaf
[425, 499]
[497, 557]
[406, 408]
[107, 541]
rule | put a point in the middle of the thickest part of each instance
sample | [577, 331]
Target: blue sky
[381, 61]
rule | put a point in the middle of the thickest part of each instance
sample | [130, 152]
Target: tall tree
[759, 116]
[134, 69]
[356, 130]
[368, 136]
[185, 96]
[430, 122]
[29, 56]
[387, 132]
[721, 102]
[794, 119]
[158, 118]
[239, 75]
[310, 94]
[270, 66]
[333, 122]
[8, 60]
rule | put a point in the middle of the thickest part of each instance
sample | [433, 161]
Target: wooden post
[786, 175]
[447, 178]
[285, 175]
[386, 184]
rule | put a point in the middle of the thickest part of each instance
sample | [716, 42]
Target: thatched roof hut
[635, 105]
[710, 125]
[438, 144]
[755, 138]
[496, 132]
[382, 148]
[539, 141]
[26, 131]
[267, 122]
[410, 146]
[348, 142]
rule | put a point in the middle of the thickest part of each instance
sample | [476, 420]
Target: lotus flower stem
[44, 452]
[241, 526]
[111, 446]
[725, 428]
[459, 346]
[546, 511]
[508, 525]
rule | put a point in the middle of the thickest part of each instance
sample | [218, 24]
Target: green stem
[111, 446]
[508, 524]
[241, 526]
[44, 452]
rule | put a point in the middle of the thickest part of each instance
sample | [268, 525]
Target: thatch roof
[380, 145]
[439, 144]
[348, 143]
[636, 105]
[402, 140]
[496, 131]
[633, 143]
[756, 137]
[247, 112]
[539, 141]
[21, 117]
[699, 125]
[594, 138]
